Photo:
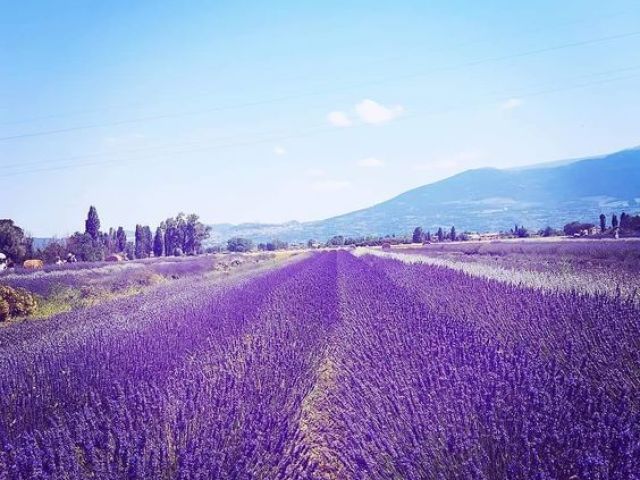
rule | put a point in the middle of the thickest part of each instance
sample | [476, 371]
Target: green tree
[614, 221]
[13, 241]
[171, 236]
[452, 234]
[92, 224]
[239, 244]
[521, 232]
[623, 220]
[603, 222]
[139, 249]
[576, 228]
[85, 248]
[195, 233]
[121, 239]
[276, 245]
[130, 250]
[417, 235]
[440, 234]
[158, 243]
[53, 252]
[148, 240]
[336, 241]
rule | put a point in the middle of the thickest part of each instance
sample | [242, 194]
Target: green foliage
[13, 242]
[238, 244]
[549, 232]
[520, 232]
[417, 235]
[629, 222]
[158, 243]
[53, 252]
[130, 250]
[85, 247]
[16, 302]
[121, 239]
[185, 232]
[143, 242]
[336, 241]
[574, 228]
[276, 245]
[92, 224]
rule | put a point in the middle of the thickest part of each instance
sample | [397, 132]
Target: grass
[65, 298]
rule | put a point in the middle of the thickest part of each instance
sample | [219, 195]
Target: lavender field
[328, 366]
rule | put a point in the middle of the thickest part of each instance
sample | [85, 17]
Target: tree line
[179, 235]
[186, 234]
[626, 225]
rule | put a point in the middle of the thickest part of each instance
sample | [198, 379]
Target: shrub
[15, 302]
[4, 310]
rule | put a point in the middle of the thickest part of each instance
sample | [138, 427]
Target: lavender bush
[329, 367]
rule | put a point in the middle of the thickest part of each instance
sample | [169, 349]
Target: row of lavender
[112, 276]
[332, 367]
[199, 383]
[459, 377]
[619, 256]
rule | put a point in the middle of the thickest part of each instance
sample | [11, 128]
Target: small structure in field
[386, 246]
[490, 236]
[33, 264]
[116, 257]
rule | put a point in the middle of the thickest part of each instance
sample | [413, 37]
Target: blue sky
[273, 111]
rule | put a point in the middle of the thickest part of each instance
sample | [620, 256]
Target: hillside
[486, 199]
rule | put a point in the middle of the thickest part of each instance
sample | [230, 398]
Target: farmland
[330, 365]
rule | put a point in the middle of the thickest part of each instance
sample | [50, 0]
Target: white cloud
[330, 185]
[279, 151]
[375, 113]
[370, 162]
[339, 119]
[511, 104]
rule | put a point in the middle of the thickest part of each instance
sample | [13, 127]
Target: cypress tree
[417, 235]
[158, 243]
[139, 246]
[148, 240]
[92, 224]
[121, 239]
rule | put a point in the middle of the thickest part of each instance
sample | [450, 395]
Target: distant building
[489, 236]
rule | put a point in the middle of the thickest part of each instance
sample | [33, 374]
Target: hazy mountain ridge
[486, 199]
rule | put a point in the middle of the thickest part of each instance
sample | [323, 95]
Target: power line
[294, 96]
[539, 29]
[271, 133]
[317, 130]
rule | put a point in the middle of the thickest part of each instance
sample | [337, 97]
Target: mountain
[485, 199]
